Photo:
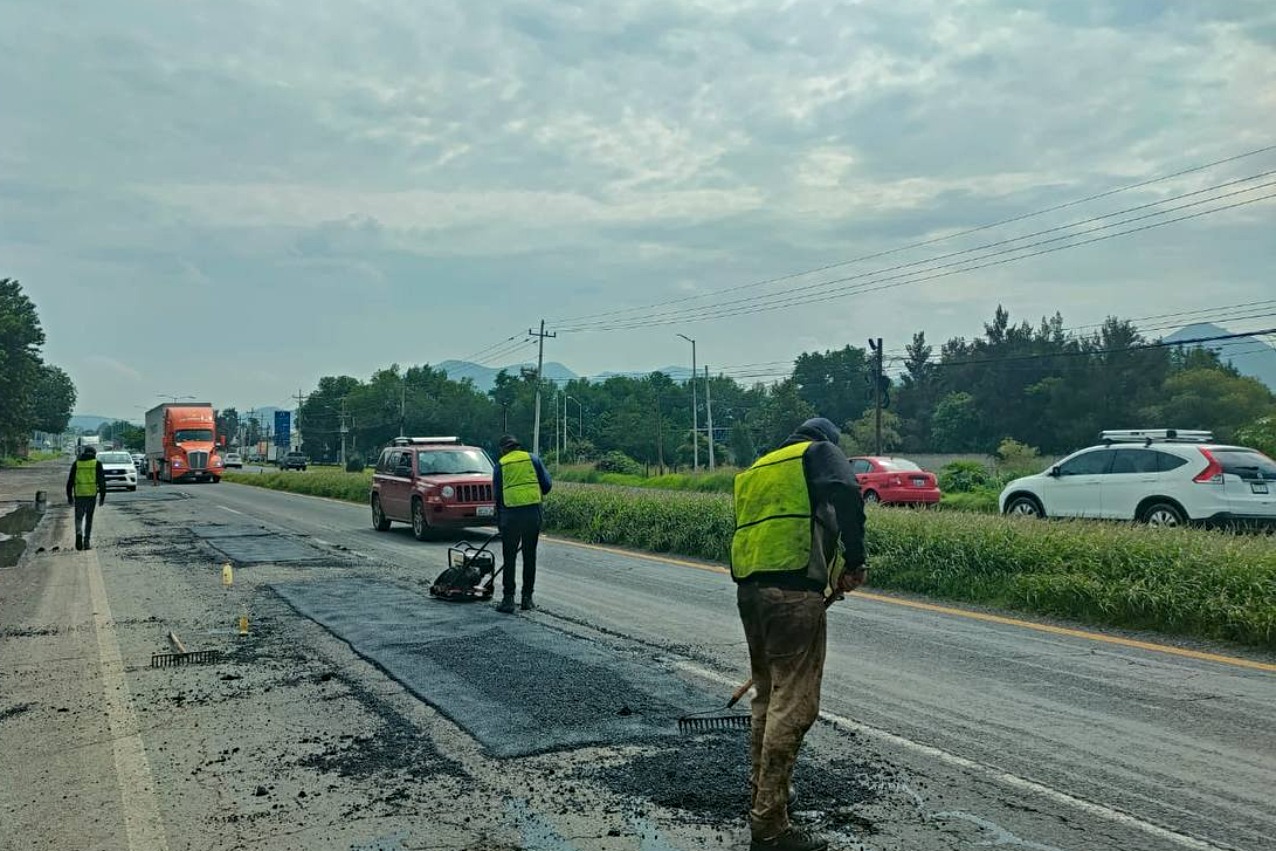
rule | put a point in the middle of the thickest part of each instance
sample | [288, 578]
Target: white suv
[1160, 477]
[119, 469]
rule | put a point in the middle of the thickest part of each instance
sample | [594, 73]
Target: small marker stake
[228, 575]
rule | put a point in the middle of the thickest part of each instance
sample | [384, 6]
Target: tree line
[1035, 383]
[34, 395]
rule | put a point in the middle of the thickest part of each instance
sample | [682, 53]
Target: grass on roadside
[332, 483]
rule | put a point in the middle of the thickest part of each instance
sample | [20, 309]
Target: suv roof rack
[418, 441]
[1148, 436]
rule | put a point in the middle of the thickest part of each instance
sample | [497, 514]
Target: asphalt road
[971, 732]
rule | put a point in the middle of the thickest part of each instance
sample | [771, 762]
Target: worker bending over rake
[799, 541]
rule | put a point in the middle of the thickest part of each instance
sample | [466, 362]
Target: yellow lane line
[964, 613]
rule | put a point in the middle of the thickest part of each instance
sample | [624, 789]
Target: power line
[760, 304]
[908, 278]
[926, 242]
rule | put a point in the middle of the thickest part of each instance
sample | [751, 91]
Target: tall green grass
[1187, 581]
[719, 481]
[332, 483]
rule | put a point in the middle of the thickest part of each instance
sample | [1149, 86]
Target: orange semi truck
[181, 442]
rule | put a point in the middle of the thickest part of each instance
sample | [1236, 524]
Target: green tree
[742, 451]
[834, 383]
[1259, 434]
[955, 424]
[20, 366]
[54, 400]
[860, 436]
[1214, 399]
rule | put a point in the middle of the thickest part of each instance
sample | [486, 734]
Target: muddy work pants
[520, 527]
[785, 630]
[84, 508]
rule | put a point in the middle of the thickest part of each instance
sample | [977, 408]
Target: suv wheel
[1161, 514]
[1024, 506]
[379, 520]
[420, 528]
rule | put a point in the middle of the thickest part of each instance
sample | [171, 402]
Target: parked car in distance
[139, 462]
[120, 470]
[233, 459]
[293, 461]
[432, 483]
[1162, 477]
[894, 481]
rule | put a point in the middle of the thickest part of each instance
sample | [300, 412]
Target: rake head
[710, 723]
[173, 660]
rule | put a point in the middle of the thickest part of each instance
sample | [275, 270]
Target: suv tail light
[1213, 472]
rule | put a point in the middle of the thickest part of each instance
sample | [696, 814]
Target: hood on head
[819, 428]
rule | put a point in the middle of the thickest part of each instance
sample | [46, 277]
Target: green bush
[982, 501]
[964, 477]
[1190, 581]
[354, 465]
[618, 462]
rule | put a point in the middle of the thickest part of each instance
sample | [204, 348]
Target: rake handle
[748, 684]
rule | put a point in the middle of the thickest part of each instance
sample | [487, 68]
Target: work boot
[506, 606]
[527, 604]
[87, 544]
[793, 839]
[79, 542]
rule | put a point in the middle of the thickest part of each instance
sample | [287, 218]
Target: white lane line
[231, 510]
[142, 820]
[1004, 777]
[323, 542]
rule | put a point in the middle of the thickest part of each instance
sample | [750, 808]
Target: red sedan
[894, 481]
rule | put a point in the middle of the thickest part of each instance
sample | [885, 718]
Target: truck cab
[181, 443]
[432, 483]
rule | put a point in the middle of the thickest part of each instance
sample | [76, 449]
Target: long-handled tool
[182, 656]
[703, 722]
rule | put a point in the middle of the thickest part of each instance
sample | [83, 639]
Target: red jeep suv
[433, 483]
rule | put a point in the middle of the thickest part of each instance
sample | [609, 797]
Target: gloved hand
[851, 579]
[101, 500]
[70, 500]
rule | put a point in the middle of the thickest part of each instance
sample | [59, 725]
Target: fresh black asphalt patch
[517, 686]
[244, 544]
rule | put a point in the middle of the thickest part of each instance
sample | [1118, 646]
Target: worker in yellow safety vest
[85, 489]
[519, 484]
[799, 542]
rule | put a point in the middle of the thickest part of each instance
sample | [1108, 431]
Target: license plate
[919, 483]
[1258, 487]
[485, 511]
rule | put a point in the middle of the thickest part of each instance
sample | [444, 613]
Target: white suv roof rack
[417, 441]
[1148, 436]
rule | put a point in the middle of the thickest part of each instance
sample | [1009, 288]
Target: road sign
[283, 428]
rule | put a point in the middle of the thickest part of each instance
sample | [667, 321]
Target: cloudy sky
[232, 199]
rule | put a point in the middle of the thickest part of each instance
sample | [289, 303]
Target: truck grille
[474, 493]
[198, 460]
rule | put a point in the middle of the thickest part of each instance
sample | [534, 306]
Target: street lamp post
[581, 429]
[695, 408]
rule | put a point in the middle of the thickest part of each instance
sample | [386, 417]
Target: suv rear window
[1246, 463]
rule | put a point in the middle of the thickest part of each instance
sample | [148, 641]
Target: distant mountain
[1252, 356]
[484, 377]
[87, 422]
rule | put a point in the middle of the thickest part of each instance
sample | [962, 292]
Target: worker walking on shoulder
[86, 489]
[519, 484]
[799, 541]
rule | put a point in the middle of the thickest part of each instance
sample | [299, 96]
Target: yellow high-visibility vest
[86, 478]
[519, 485]
[773, 515]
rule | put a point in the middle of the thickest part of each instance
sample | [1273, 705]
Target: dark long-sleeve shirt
[101, 482]
[498, 491]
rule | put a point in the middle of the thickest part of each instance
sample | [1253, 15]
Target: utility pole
[403, 403]
[708, 404]
[660, 439]
[540, 365]
[876, 346]
[695, 409]
[344, 429]
[296, 423]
